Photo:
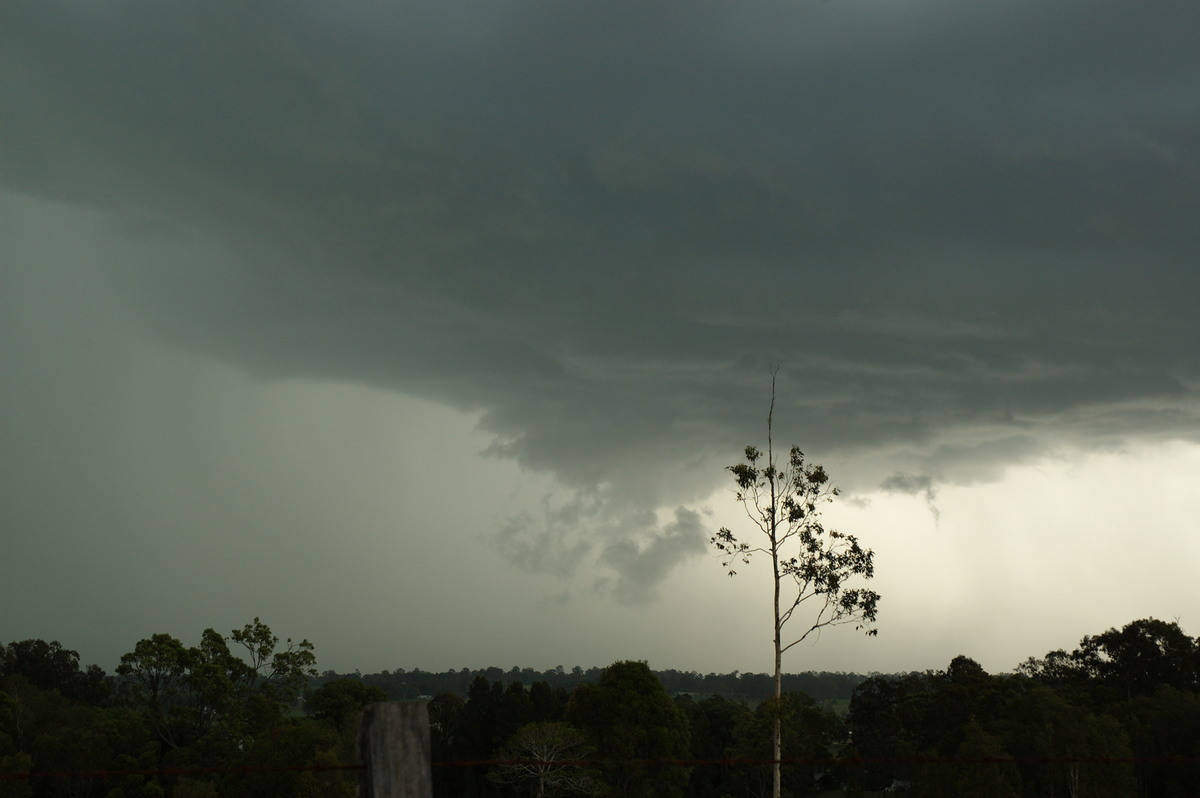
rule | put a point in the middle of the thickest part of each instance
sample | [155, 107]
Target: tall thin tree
[812, 567]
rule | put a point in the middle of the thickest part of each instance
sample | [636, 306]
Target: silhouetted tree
[1120, 664]
[811, 566]
[713, 723]
[206, 698]
[543, 760]
[51, 666]
[635, 725]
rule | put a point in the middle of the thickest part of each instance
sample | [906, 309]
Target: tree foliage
[51, 666]
[808, 733]
[169, 706]
[207, 692]
[636, 726]
[342, 700]
[818, 563]
[964, 732]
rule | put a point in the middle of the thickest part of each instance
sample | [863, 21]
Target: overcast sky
[425, 331]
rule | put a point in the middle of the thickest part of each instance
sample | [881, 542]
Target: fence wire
[827, 761]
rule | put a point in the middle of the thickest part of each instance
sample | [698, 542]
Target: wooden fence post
[393, 745]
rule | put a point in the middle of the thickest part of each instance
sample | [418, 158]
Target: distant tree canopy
[403, 684]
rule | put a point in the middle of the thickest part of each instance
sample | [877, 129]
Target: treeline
[824, 687]
[1117, 716]
[639, 740]
[195, 714]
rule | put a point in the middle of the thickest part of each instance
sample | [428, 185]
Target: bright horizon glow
[1070, 544]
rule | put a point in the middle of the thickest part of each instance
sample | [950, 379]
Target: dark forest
[1119, 715]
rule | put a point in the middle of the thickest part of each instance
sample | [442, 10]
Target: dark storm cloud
[599, 224]
[641, 565]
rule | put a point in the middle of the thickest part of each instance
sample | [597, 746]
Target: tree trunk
[777, 747]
